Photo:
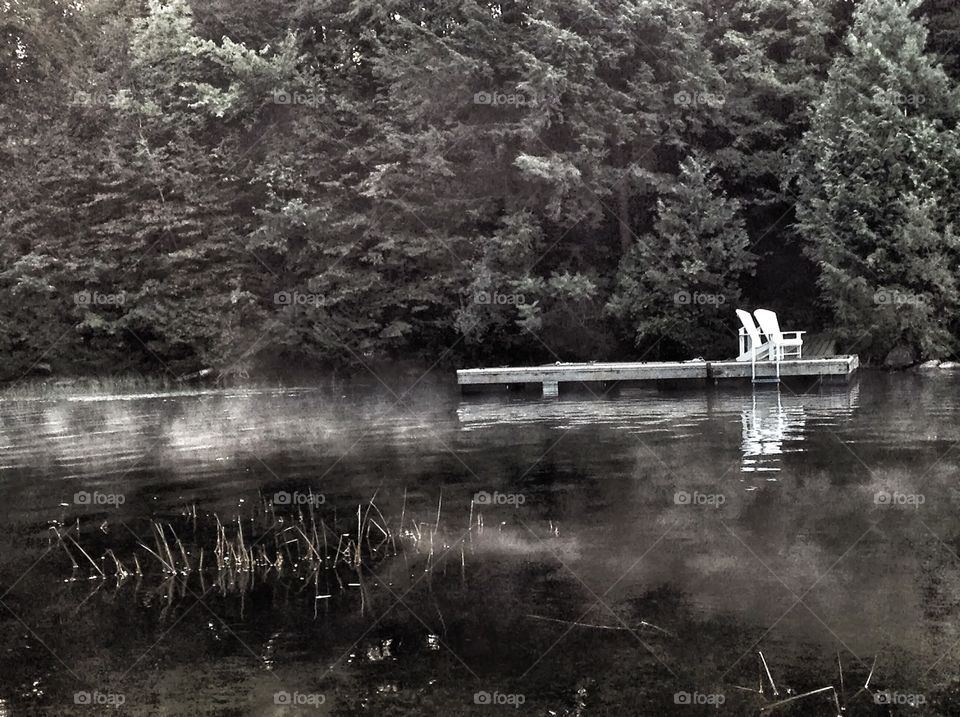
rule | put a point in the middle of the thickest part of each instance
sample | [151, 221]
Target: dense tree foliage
[877, 185]
[241, 183]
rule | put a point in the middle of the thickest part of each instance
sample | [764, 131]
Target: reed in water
[305, 540]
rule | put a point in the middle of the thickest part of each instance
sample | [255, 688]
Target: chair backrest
[768, 323]
[751, 327]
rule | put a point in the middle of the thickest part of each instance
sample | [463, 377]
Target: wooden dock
[551, 376]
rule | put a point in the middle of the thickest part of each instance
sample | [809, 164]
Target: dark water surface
[634, 554]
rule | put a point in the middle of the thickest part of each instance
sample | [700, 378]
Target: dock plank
[551, 375]
[584, 372]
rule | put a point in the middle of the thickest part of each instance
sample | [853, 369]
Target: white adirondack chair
[783, 344]
[752, 346]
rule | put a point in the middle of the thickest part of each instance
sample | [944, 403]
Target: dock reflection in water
[774, 421]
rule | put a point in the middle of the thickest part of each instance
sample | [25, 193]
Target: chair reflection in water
[766, 424]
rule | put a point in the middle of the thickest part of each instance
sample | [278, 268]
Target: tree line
[242, 184]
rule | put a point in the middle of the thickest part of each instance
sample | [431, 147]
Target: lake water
[627, 554]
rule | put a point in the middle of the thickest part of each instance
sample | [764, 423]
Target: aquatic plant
[773, 698]
[271, 541]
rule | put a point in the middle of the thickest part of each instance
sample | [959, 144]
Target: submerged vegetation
[271, 541]
[321, 552]
[261, 541]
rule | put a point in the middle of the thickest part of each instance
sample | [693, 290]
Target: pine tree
[679, 283]
[44, 170]
[877, 176]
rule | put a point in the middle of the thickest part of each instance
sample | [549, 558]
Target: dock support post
[551, 389]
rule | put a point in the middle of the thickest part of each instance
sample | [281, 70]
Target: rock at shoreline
[900, 357]
[931, 364]
[950, 365]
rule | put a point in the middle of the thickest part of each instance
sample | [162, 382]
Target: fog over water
[638, 546]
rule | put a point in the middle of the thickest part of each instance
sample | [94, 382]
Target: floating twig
[776, 693]
[618, 628]
[780, 703]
